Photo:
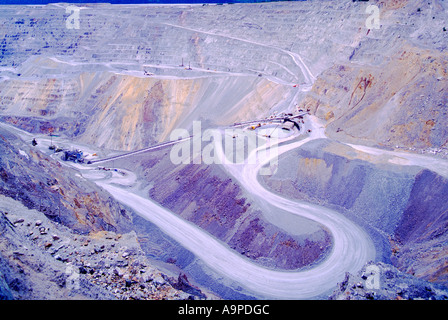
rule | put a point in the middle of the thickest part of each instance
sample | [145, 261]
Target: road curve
[349, 254]
[352, 247]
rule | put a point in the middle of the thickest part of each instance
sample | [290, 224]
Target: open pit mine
[275, 150]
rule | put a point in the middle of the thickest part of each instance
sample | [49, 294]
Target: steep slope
[403, 207]
[421, 237]
[400, 103]
[383, 86]
[112, 85]
[43, 260]
[393, 285]
[41, 183]
[390, 90]
[125, 112]
[209, 198]
[58, 227]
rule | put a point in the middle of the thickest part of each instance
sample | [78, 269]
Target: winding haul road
[352, 247]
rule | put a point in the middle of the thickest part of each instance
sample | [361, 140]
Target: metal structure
[73, 155]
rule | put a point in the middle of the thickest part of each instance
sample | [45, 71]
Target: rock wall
[380, 281]
[384, 86]
[41, 183]
[398, 104]
[405, 206]
[206, 196]
[125, 112]
[389, 90]
[421, 235]
[325, 172]
[43, 260]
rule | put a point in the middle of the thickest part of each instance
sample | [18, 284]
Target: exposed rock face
[363, 76]
[329, 173]
[384, 86]
[421, 236]
[41, 183]
[115, 86]
[206, 196]
[124, 112]
[407, 205]
[400, 103]
[389, 91]
[380, 281]
[60, 264]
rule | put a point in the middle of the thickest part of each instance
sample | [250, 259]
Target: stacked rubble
[45, 260]
[381, 281]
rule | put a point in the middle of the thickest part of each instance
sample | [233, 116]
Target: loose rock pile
[380, 281]
[51, 262]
